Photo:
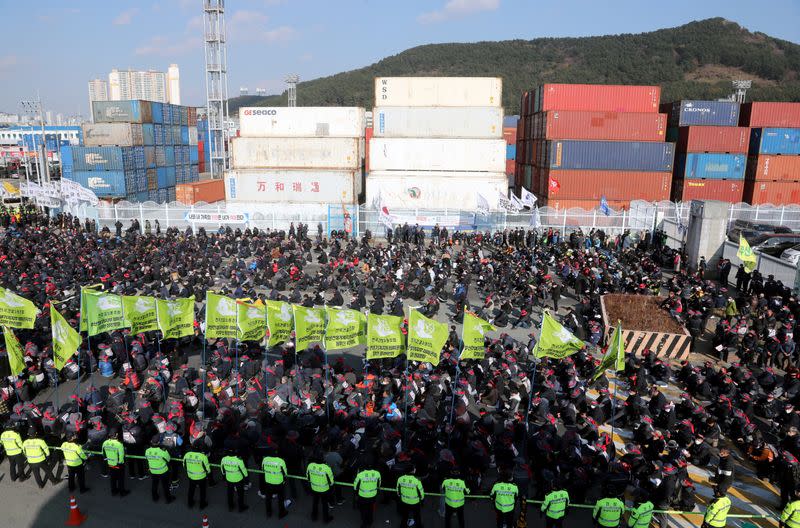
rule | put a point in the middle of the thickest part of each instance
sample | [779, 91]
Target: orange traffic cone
[76, 518]
[205, 521]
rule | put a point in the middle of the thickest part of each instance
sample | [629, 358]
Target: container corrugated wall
[614, 185]
[425, 189]
[724, 190]
[774, 168]
[301, 122]
[617, 126]
[438, 91]
[607, 155]
[712, 166]
[706, 113]
[300, 153]
[438, 122]
[734, 140]
[775, 141]
[597, 97]
[437, 154]
[294, 186]
[772, 192]
[767, 114]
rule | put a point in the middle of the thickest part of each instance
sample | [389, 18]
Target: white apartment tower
[98, 91]
[149, 85]
[174, 84]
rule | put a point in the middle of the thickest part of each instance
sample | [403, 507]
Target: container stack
[203, 146]
[297, 155]
[585, 142]
[510, 135]
[711, 150]
[136, 150]
[437, 142]
[773, 165]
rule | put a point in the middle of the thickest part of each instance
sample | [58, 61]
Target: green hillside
[697, 60]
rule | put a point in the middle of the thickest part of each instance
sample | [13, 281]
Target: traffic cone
[76, 518]
[205, 521]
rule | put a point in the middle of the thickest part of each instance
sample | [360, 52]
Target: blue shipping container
[97, 158]
[169, 156]
[148, 135]
[184, 135]
[511, 152]
[132, 111]
[510, 121]
[194, 174]
[171, 177]
[194, 155]
[711, 113]
[157, 109]
[105, 184]
[775, 141]
[711, 166]
[161, 175]
[608, 155]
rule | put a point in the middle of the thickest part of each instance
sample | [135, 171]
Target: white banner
[483, 205]
[46, 201]
[506, 203]
[527, 198]
[217, 218]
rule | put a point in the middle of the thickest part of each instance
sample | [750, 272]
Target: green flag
[309, 326]
[16, 311]
[140, 313]
[220, 316]
[279, 321]
[472, 335]
[252, 321]
[83, 323]
[426, 338]
[65, 339]
[102, 312]
[176, 318]
[346, 328]
[16, 356]
[614, 357]
[556, 341]
[385, 337]
[746, 255]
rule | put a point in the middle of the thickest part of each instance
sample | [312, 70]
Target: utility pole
[291, 89]
[35, 107]
[741, 87]
[216, 84]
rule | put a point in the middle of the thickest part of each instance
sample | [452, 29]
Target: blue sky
[55, 47]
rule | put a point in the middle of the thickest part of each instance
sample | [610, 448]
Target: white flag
[536, 220]
[504, 202]
[483, 205]
[517, 203]
[528, 198]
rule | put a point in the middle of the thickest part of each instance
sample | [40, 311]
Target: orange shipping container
[560, 204]
[510, 135]
[724, 190]
[773, 168]
[772, 192]
[208, 191]
[614, 185]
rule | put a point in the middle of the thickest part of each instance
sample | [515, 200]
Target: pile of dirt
[640, 312]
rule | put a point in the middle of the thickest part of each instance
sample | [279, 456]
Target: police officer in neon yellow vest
[235, 472]
[36, 453]
[74, 458]
[717, 512]
[455, 491]
[12, 443]
[158, 464]
[275, 482]
[642, 515]
[504, 494]
[320, 479]
[411, 495]
[555, 507]
[790, 516]
[608, 512]
[198, 470]
[366, 487]
[114, 454]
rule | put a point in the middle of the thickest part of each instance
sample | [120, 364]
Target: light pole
[33, 107]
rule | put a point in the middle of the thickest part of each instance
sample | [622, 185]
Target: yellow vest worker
[235, 472]
[608, 512]
[641, 516]
[505, 496]
[36, 453]
[455, 491]
[12, 443]
[74, 458]
[158, 464]
[410, 492]
[555, 507]
[320, 477]
[198, 470]
[790, 516]
[366, 486]
[114, 453]
[717, 513]
[274, 482]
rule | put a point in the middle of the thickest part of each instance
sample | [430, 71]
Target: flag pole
[88, 344]
[533, 372]
[618, 334]
[455, 385]
[406, 382]
[236, 351]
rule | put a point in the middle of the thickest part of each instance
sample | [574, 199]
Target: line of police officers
[607, 512]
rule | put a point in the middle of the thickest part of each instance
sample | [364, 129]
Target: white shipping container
[295, 153]
[438, 91]
[119, 134]
[479, 122]
[292, 186]
[311, 121]
[425, 191]
[193, 135]
[477, 155]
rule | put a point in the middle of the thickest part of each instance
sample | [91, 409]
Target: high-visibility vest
[35, 450]
[790, 516]
[157, 460]
[320, 476]
[12, 442]
[505, 496]
[233, 469]
[73, 454]
[641, 516]
[555, 504]
[717, 513]
[274, 470]
[608, 512]
[410, 490]
[454, 492]
[367, 483]
[114, 452]
[196, 464]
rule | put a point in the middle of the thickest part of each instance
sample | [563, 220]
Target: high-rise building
[149, 85]
[174, 84]
[98, 91]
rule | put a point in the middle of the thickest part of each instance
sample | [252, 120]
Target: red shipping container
[598, 98]
[521, 128]
[589, 205]
[734, 140]
[724, 190]
[510, 165]
[770, 115]
[615, 126]
[510, 135]
[773, 168]
[523, 105]
[772, 192]
[614, 185]
[208, 191]
[367, 136]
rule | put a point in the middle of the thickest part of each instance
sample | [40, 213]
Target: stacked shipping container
[773, 165]
[579, 143]
[437, 142]
[297, 155]
[510, 135]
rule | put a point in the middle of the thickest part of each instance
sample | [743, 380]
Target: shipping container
[730, 191]
[194, 156]
[614, 185]
[775, 141]
[192, 135]
[772, 192]
[134, 111]
[765, 114]
[299, 153]
[565, 204]
[432, 190]
[511, 166]
[208, 191]
[511, 152]
[775, 168]
[438, 122]
[184, 135]
[733, 140]
[98, 158]
[438, 91]
[616, 126]
[157, 112]
[597, 98]
[368, 133]
[110, 134]
[317, 121]
[161, 177]
[510, 121]
[705, 113]
[192, 116]
[710, 166]
[293, 186]
[171, 177]
[150, 157]
[482, 155]
[169, 156]
[510, 135]
[105, 184]
[152, 179]
[606, 155]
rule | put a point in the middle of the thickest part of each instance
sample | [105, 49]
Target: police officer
[790, 516]
[504, 494]
[717, 512]
[158, 464]
[114, 454]
[320, 478]
[411, 495]
[608, 512]
[724, 470]
[455, 490]
[366, 487]
[554, 507]
[197, 469]
[235, 472]
[36, 453]
[12, 444]
[275, 482]
[642, 515]
[75, 459]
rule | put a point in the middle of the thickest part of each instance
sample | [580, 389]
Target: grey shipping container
[134, 111]
[706, 113]
[608, 155]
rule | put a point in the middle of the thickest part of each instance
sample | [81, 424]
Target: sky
[53, 47]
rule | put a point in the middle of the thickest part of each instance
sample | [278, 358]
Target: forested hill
[697, 60]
